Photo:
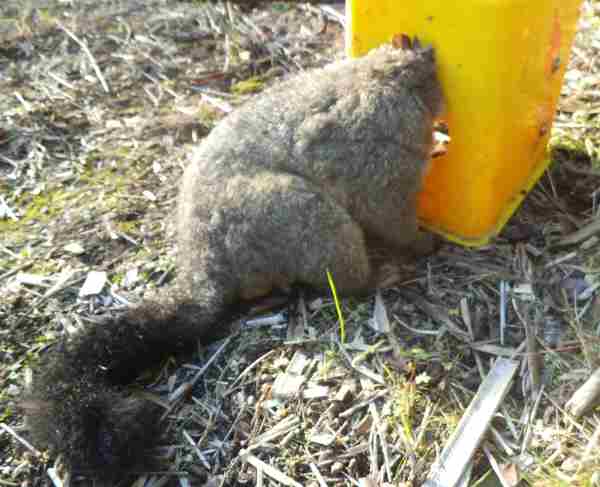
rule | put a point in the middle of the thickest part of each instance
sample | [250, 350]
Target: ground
[100, 102]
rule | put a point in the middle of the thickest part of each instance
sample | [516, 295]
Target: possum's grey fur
[292, 184]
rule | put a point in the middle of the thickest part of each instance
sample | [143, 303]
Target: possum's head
[412, 66]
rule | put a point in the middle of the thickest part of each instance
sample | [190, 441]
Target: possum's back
[332, 122]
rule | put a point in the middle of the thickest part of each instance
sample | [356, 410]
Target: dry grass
[100, 104]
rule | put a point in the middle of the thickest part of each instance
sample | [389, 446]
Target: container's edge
[507, 213]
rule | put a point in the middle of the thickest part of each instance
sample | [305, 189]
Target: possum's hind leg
[329, 240]
[289, 232]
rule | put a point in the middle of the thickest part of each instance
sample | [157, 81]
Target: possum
[293, 184]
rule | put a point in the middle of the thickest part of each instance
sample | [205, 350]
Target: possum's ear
[406, 43]
[401, 41]
[416, 43]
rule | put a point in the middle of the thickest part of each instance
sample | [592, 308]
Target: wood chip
[468, 434]
[380, 321]
[586, 397]
[93, 284]
[315, 391]
[287, 386]
[269, 470]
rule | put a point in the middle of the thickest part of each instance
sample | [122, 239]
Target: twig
[315, 470]
[199, 454]
[56, 480]
[582, 234]
[25, 103]
[220, 104]
[8, 482]
[88, 54]
[61, 81]
[365, 403]
[269, 470]
[467, 436]
[531, 419]
[437, 314]
[9, 161]
[8, 252]
[586, 396]
[334, 14]
[61, 284]
[328, 11]
[247, 370]
[382, 440]
[16, 270]
[20, 439]
[180, 392]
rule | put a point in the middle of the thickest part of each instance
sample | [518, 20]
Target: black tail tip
[100, 434]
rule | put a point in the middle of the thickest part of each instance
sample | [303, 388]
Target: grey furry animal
[294, 183]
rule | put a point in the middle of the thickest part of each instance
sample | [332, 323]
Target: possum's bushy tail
[77, 405]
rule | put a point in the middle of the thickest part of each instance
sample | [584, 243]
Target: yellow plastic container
[501, 64]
